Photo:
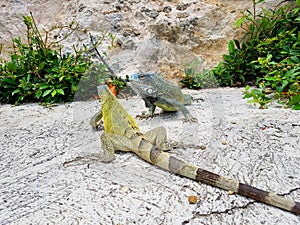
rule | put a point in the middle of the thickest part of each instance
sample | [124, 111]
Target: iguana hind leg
[158, 137]
[187, 99]
[183, 109]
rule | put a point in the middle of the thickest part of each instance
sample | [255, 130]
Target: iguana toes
[122, 133]
[156, 91]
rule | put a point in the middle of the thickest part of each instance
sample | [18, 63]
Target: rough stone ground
[258, 147]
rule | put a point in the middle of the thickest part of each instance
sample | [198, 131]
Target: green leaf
[295, 59]
[15, 91]
[44, 86]
[239, 22]
[14, 57]
[231, 47]
[247, 96]
[296, 107]
[251, 101]
[284, 84]
[294, 100]
[60, 91]
[42, 65]
[28, 21]
[47, 92]
[269, 57]
[256, 91]
[10, 81]
[11, 66]
[53, 93]
[38, 93]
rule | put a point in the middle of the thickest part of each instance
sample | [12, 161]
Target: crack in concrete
[290, 191]
[245, 206]
[229, 210]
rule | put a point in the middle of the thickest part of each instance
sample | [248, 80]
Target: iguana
[121, 132]
[156, 91]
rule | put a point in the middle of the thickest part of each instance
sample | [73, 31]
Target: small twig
[101, 58]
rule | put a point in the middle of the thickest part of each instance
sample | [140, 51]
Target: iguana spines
[110, 102]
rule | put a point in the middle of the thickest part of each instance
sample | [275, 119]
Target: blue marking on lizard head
[138, 76]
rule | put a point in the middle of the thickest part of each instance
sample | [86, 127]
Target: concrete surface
[258, 147]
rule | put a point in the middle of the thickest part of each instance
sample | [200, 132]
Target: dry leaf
[192, 199]
[124, 189]
[202, 147]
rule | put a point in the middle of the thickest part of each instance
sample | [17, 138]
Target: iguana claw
[193, 120]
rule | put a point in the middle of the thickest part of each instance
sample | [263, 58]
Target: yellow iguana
[122, 133]
[156, 91]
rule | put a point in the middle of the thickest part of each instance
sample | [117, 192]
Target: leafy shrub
[196, 80]
[39, 72]
[268, 55]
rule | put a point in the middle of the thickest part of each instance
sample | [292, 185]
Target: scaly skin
[156, 91]
[121, 132]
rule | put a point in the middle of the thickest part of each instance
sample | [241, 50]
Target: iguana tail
[247, 191]
[177, 166]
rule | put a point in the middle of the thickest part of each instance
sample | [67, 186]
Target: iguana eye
[142, 77]
[149, 91]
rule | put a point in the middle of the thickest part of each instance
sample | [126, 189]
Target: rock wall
[152, 36]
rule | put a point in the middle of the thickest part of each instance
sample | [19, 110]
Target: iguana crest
[112, 109]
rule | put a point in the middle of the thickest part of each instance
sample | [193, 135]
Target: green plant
[258, 96]
[118, 82]
[87, 87]
[294, 102]
[38, 71]
[195, 80]
[269, 52]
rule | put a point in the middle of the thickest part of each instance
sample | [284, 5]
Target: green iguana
[156, 91]
[121, 132]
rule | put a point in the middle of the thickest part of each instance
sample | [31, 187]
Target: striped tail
[177, 166]
[248, 191]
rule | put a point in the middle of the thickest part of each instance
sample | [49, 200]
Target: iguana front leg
[149, 103]
[110, 143]
[96, 119]
[115, 142]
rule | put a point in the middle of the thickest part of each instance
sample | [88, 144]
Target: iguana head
[141, 76]
[143, 84]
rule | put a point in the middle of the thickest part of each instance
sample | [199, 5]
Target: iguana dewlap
[121, 132]
[156, 91]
